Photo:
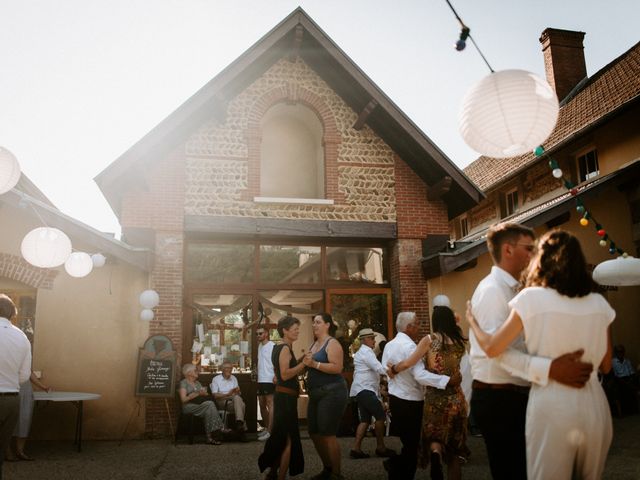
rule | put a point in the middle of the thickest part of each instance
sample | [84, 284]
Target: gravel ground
[161, 460]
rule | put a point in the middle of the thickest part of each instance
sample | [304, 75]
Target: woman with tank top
[327, 394]
[283, 450]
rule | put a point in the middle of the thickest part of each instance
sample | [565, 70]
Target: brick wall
[160, 207]
[18, 269]
[223, 157]
[417, 218]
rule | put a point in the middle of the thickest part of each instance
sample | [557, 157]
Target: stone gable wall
[222, 159]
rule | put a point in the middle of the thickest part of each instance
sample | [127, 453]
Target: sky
[81, 81]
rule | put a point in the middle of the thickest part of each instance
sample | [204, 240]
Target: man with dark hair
[15, 368]
[501, 385]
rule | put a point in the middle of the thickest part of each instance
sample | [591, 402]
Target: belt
[287, 390]
[8, 394]
[478, 385]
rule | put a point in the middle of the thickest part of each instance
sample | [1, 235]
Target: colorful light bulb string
[464, 35]
[586, 216]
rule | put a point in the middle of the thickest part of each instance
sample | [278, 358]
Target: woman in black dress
[283, 450]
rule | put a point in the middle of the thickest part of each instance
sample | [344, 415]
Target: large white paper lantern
[46, 247]
[146, 315]
[619, 272]
[149, 299]
[98, 260]
[79, 264]
[441, 301]
[9, 170]
[508, 113]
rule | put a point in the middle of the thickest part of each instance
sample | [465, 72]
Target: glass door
[355, 309]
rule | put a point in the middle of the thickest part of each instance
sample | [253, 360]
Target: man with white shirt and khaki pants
[501, 385]
[15, 368]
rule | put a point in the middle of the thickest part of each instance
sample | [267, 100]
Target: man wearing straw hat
[366, 390]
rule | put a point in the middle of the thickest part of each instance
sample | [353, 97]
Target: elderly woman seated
[194, 401]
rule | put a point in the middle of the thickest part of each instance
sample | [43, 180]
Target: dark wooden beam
[364, 114]
[440, 188]
[290, 228]
[298, 35]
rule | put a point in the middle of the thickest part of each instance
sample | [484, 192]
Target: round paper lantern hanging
[146, 315]
[98, 260]
[508, 113]
[79, 264]
[46, 247]
[619, 272]
[149, 299]
[9, 170]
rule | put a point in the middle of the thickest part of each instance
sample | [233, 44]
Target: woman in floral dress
[444, 430]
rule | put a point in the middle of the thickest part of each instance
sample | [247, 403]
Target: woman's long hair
[444, 323]
[560, 264]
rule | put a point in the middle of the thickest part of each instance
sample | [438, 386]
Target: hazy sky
[83, 80]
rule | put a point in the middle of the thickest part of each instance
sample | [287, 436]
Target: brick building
[596, 143]
[290, 183]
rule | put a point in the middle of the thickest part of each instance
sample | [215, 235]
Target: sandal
[25, 457]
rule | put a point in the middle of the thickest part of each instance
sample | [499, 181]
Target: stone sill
[295, 201]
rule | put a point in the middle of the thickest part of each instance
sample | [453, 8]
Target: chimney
[563, 59]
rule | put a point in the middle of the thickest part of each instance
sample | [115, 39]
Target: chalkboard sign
[156, 372]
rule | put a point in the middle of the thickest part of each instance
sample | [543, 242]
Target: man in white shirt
[406, 396]
[501, 385]
[266, 379]
[15, 368]
[226, 394]
[366, 390]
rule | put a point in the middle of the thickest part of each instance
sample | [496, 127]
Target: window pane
[218, 263]
[221, 325]
[287, 264]
[356, 264]
[353, 312]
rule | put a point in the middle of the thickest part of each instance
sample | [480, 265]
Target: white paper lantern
[9, 170]
[98, 260]
[46, 247]
[149, 299]
[78, 264]
[619, 272]
[508, 113]
[146, 315]
[441, 301]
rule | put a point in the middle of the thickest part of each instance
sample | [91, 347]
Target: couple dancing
[561, 427]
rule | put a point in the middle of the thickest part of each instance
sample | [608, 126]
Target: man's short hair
[403, 319]
[227, 365]
[7, 308]
[507, 232]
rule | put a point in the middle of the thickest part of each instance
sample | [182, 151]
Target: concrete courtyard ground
[161, 460]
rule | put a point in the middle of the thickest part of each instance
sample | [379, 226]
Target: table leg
[78, 436]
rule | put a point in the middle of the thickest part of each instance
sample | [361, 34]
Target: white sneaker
[264, 436]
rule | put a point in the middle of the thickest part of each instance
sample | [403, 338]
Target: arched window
[291, 153]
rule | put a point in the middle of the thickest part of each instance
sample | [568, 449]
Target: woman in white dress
[568, 430]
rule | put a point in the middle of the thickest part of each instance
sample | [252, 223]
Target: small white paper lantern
[149, 299]
[508, 113]
[78, 264]
[619, 272]
[146, 315]
[9, 170]
[441, 301]
[98, 260]
[46, 247]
